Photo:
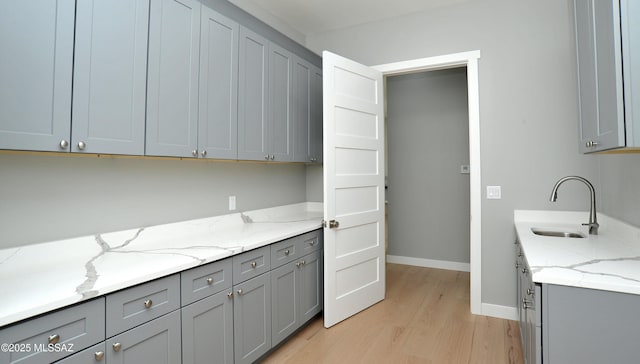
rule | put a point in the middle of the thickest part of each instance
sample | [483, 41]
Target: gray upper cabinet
[252, 96]
[301, 109]
[109, 76]
[280, 103]
[605, 47]
[172, 102]
[307, 104]
[218, 114]
[315, 116]
[36, 61]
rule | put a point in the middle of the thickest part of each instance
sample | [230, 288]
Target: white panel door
[353, 187]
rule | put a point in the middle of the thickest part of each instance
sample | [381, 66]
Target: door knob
[333, 224]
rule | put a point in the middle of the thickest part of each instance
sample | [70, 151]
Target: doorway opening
[468, 60]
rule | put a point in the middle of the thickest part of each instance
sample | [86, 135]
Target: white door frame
[470, 61]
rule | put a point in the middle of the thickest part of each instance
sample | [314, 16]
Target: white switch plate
[232, 203]
[494, 192]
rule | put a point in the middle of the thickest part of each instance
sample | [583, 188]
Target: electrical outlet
[464, 169]
[232, 203]
[494, 192]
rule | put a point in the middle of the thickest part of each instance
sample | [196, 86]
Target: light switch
[494, 192]
[232, 203]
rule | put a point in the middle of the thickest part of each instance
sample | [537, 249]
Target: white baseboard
[429, 263]
[503, 312]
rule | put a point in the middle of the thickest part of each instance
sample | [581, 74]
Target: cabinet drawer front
[139, 304]
[201, 282]
[309, 242]
[251, 264]
[94, 354]
[284, 252]
[69, 330]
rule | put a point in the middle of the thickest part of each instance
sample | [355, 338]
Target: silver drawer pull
[240, 292]
[99, 355]
[298, 264]
[313, 242]
[286, 252]
[54, 339]
[530, 291]
[230, 294]
[303, 262]
[148, 303]
[254, 264]
[117, 347]
[209, 281]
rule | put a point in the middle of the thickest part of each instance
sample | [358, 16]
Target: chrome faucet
[593, 219]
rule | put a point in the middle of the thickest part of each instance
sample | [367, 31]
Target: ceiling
[308, 17]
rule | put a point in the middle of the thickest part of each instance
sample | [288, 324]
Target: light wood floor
[425, 318]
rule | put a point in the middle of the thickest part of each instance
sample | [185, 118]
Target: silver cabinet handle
[526, 304]
[524, 270]
[591, 144]
[209, 281]
[266, 157]
[203, 153]
[517, 265]
[64, 144]
[194, 152]
[117, 347]
[313, 242]
[54, 339]
[148, 303]
[99, 355]
[530, 291]
[333, 224]
[230, 294]
[273, 157]
[254, 264]
[240, 292]
[298, 264]
[287, 252]
[303, 262]
[82, 145]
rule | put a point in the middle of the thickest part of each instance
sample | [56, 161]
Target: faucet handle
[593, 227]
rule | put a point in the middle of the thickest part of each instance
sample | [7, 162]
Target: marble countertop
[607, 261]
[38, 278]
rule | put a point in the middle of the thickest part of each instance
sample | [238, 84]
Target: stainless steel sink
[557, 233]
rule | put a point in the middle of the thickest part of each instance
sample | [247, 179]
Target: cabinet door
[157, 341]
[630, 24]
[172, 101]
[252, 318]
[252, 97]
[599, 74]
[315, 117]
[218, 113]
[207, 330]
[280, 103]
[36, 39]
[285, 317]
[301, 109]
[109, 77]
[310, 291]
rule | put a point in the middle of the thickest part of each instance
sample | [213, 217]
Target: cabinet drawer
[94, 354]
[70, 330]
[309, 242]
[201, 282]
[139, 304]
[284, 252]
[251, 264]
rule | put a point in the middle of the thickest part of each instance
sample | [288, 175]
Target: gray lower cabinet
[56, 335]
[529, 309]
[296, 295]
[110, 76]
[157, 341]
[35, 81]
[207, 330]
[94, 354]
[252, 318]
[608, 53]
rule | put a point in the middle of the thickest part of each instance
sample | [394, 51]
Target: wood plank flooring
[425, 318]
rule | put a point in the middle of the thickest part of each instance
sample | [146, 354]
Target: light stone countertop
[607, 261]
[39, 278]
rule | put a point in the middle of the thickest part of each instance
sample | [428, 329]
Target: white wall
[620, 179]
[428, 141]
[528, 105]
[46, 197]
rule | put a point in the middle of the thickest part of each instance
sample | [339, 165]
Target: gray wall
[428, 140]
[528, 105]
[45, 197]
[620, 180]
